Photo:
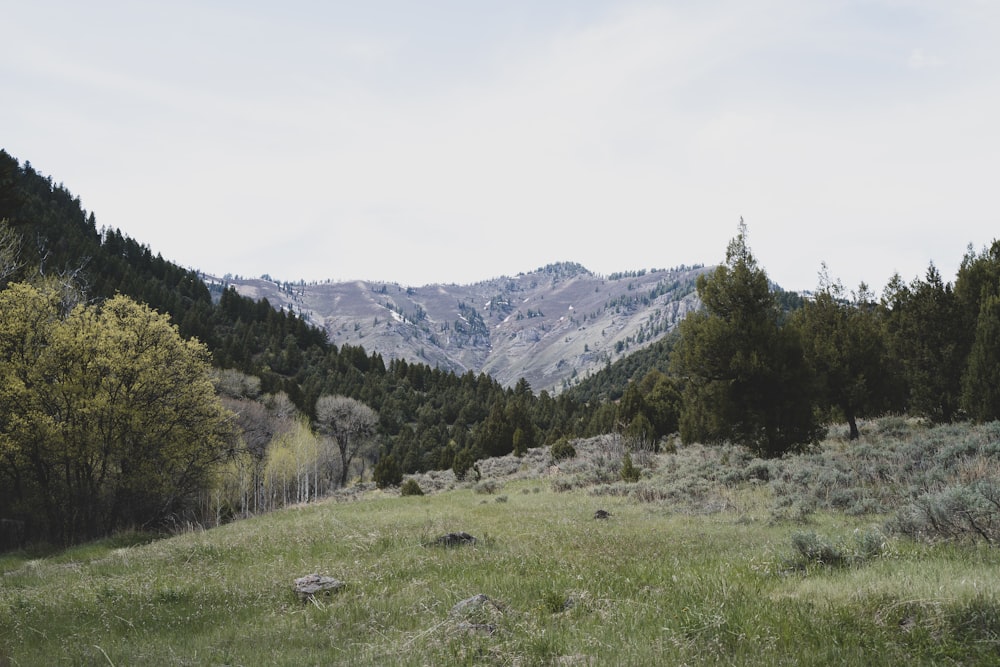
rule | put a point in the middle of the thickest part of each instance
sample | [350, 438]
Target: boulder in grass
[455, 539]
[470, 605]
[308, 586]
[602, 514]
[478, 615]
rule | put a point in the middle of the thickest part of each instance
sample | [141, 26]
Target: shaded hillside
[552, 326]
[428, 417]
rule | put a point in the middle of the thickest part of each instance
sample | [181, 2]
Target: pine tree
[845, 349]
[744, 375]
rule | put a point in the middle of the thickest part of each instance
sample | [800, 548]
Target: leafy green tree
[350, 423]
[744, 375]
[845, 349]
[108, 418]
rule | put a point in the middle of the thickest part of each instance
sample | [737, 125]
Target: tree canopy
[108, 418]
[744, 375]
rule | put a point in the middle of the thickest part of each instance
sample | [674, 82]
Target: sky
[457, 141]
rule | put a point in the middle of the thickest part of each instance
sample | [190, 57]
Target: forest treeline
[756, 365]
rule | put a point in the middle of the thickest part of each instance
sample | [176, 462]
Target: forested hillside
[83, 400]
[276, 366]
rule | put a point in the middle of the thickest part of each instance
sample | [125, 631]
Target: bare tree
[350, 423]
[10, 252]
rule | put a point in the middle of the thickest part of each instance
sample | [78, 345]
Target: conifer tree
[845, 349]
[744, 375]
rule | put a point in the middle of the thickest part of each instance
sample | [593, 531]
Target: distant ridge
[552, 326]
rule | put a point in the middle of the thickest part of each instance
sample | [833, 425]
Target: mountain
[552, 326]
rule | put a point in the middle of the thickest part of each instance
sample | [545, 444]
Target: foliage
[109, 418]
[967, 512]
[977, 289]
[411, 488]
[350, 423]
[931, 350]
[812, 549]
[629, 472]
[562, 449]
[845, 348]
[387, 472]
[744, 374]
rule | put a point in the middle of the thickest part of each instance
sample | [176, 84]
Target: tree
[744, 375]
[10, 252]
[981, 382]
[977, 289]
[387, 472]
[930, 343]
[108, 418]
[845, 350]
[350, 423]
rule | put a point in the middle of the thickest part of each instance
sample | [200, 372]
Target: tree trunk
[853, 423]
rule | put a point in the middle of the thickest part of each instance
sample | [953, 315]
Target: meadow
[710, 558]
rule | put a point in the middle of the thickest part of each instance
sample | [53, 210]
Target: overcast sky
[433, 141]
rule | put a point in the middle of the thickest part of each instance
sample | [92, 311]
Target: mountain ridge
[551, 326]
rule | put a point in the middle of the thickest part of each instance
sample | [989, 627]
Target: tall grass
[712, 577]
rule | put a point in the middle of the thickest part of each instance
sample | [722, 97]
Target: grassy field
[651, 585]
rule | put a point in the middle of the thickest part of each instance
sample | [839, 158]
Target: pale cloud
[919, 60]
[338, 143]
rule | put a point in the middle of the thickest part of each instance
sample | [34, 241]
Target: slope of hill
[552, 326]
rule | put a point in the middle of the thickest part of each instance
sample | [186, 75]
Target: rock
[455, 539]
[602, 514]
[311, 584]
[468, 605]
[478, 615]
[465, 627]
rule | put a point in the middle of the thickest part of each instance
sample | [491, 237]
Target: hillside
[552, 326]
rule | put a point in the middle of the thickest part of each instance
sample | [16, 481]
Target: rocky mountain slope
[552, 326]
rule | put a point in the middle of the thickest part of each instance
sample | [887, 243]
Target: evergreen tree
[977, 289]
[931, 346]
[981, 383]
[845, 349]
[744, 375]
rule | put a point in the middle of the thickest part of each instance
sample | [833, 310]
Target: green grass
[712, 557]
[649, 586]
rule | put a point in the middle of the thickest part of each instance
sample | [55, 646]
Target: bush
[813, 549]
[387, 472]
[561, 449]
[488, 486]
[411, 488]
[629, 472]
[962, 512]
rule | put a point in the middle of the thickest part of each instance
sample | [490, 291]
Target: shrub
[812, 549]
[561, 449]
[629, 472]
[387, 472]
[488, 486]
[962, 512]
[411, 488]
